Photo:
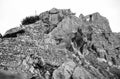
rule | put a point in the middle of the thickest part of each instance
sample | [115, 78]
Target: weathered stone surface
[61, 46]
[81, 73]
[65, 71]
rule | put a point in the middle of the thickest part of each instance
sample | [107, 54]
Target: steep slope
[61, 46]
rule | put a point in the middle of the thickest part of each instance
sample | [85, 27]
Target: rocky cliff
[59, 45]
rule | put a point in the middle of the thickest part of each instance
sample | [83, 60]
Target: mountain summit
[58, 45]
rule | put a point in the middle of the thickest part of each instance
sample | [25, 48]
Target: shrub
[30, 20]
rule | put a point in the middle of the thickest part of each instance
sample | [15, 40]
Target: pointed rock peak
[53, 11]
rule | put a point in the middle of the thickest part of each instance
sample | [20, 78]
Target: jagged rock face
[61, 46]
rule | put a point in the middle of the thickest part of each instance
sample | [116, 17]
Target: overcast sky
[13, 11]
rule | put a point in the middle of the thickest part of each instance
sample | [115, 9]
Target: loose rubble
[59, 45]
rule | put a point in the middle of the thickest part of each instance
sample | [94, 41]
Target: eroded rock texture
[61, 46]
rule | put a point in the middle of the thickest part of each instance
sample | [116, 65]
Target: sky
[12, 12]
